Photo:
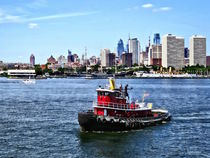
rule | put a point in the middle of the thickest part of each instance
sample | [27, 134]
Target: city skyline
[44, 28]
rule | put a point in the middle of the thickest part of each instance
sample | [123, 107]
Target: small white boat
[29, 81]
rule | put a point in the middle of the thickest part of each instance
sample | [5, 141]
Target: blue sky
[46, 27]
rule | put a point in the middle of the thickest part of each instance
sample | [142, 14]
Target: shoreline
[105, 77]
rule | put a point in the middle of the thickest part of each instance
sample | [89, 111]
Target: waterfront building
[172, 51]
[32, 60]
[120, 48]
[21, 73]
[207, 60]
[127, 59]
[134, 48]
[197, 50]
[156, 39]
[51, 60]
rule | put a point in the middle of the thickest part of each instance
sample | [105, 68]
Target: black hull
[90, 122]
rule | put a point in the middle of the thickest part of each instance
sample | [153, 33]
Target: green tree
[38, 70]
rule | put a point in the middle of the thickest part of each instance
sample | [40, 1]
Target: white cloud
[165, 8]
[7, 18]
[132, 8]
[162, 9]
[36, 4]
[58, 16]
[148, 5]
[33, 26]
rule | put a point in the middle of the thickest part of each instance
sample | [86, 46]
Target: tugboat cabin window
[103, 94]
[117, 94]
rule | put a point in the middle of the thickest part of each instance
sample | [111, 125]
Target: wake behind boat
[113, 112]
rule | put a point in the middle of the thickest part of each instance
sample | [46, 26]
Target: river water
[41, 120]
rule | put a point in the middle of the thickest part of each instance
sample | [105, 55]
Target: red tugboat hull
[90, 122]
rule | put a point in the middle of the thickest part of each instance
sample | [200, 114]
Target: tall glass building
[156, 39]
[120, 48]
[70, 57]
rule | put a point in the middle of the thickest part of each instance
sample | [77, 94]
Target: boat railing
[119, 106]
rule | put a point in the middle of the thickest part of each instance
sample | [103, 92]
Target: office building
[70, 57]
[127, 59]
[156, 39]
[112, 59]
[198, 50]
[134, 48]
[172, 51]
[207, 60]
[104, 55]
[186, 53]
[156, 55]
[120, 48]
[32, 60]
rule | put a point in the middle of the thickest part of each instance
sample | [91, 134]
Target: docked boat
[113, 112]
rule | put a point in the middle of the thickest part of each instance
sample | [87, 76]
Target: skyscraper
[127, 59]
[120, 48]
[32, 60]
[198, 50]
[186, 56]
[156, 57]
[172, 51]
[104, 57]
[111, 59]
[186, 53]
[207, 60]
[134, 48]
[70, 57]
[156, 39]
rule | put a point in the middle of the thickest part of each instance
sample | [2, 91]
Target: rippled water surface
[41, 120]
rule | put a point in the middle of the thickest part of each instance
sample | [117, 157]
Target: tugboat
[113, 112]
